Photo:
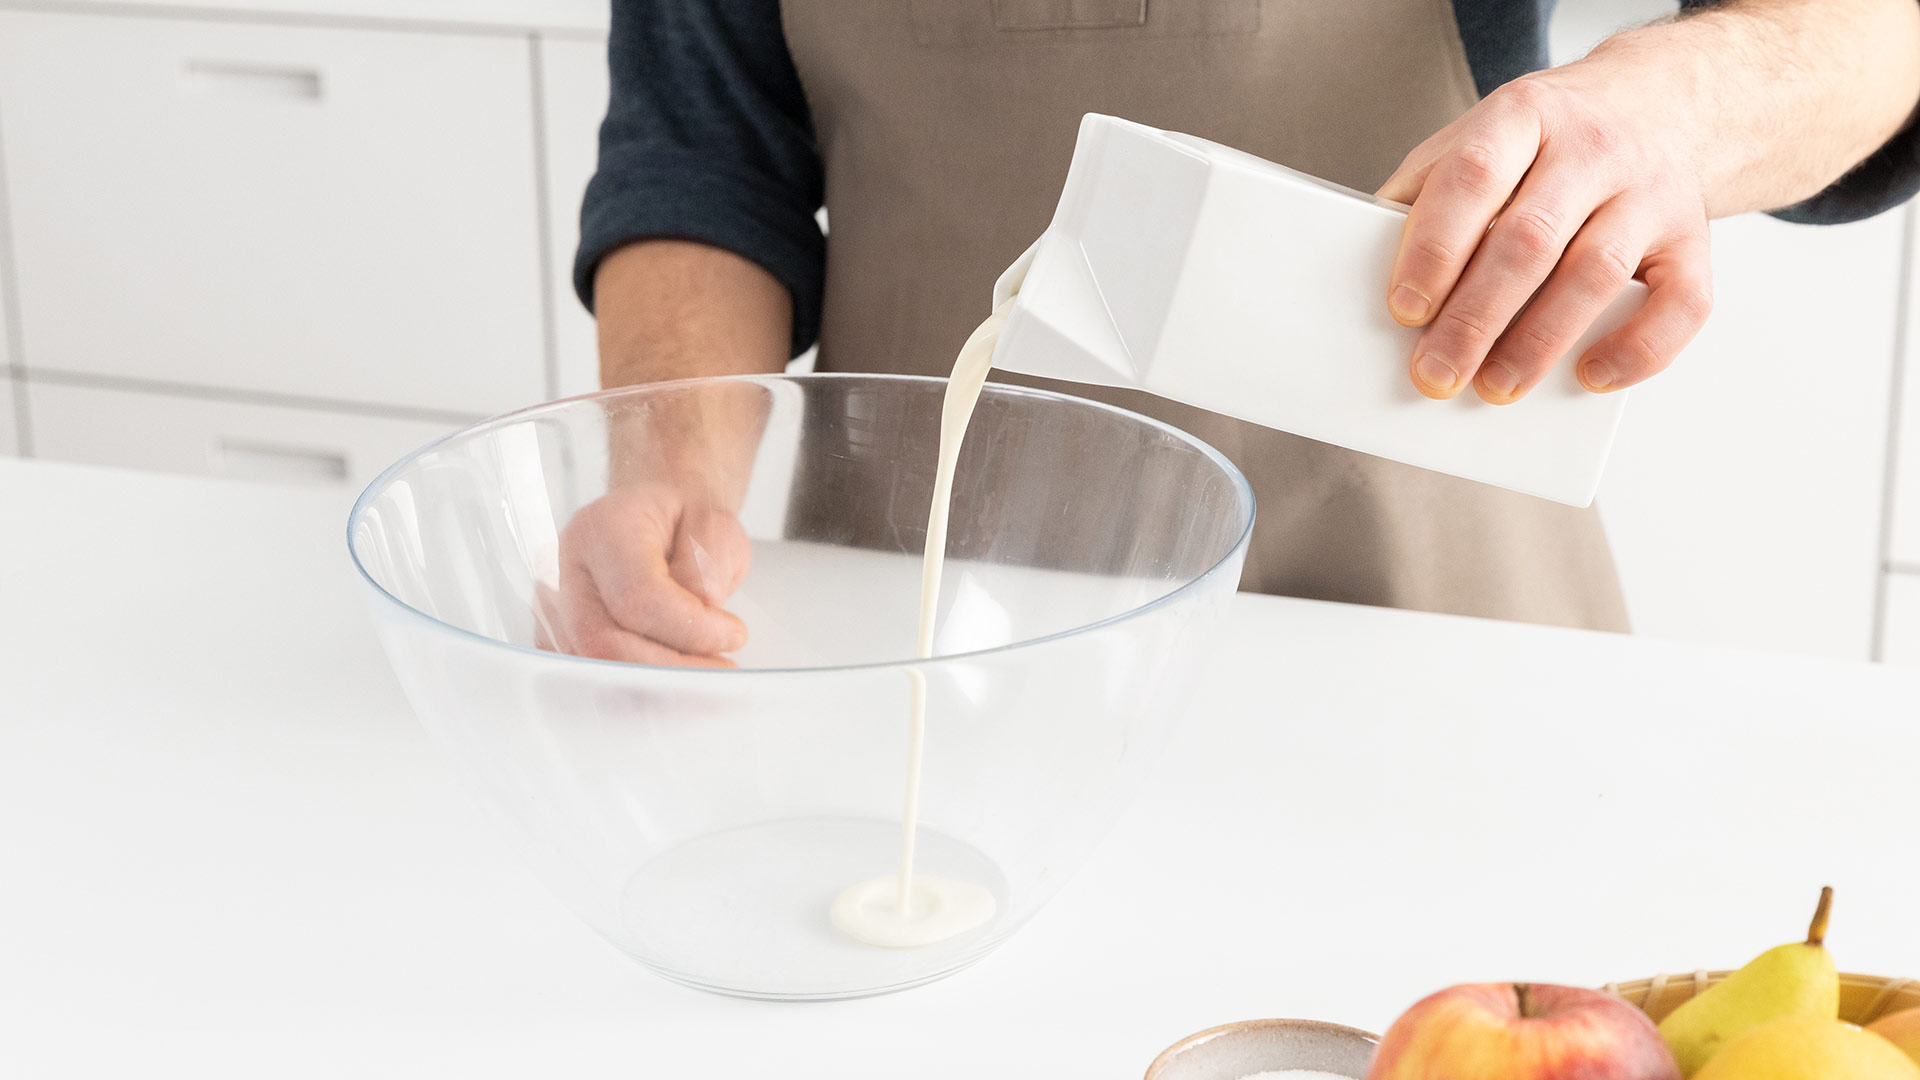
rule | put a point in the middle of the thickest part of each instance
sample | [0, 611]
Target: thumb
[710, 554]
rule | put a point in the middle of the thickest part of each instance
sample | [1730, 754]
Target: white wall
[1744, 495]
[1901, 642]
[9, 427]
[1744, 498]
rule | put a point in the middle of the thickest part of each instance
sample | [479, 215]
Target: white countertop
[229, 851]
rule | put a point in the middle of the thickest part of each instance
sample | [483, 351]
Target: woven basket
[1863, 998]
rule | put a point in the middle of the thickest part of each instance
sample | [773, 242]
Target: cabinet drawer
[9, 425]
[345, 214]
[1900, 642]
[140, 430]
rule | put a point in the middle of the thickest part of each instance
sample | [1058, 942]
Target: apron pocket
[1067, 14]
[947, 23]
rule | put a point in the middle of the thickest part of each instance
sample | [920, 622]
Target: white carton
[1200, 273]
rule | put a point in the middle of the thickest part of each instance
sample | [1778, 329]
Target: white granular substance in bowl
[1295, 1074]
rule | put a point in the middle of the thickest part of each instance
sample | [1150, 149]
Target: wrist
[1767, 103]
[1667, 82]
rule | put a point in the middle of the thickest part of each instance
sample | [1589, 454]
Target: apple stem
[1521, 992]
[1817, 932]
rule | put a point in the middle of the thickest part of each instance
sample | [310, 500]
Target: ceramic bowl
[1250, 1047]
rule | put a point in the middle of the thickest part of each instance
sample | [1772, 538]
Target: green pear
[1792, 980]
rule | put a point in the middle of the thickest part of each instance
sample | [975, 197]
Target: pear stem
[1817, 932]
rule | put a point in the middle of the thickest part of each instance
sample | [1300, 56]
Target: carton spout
[1010, 279]
[1058, 324]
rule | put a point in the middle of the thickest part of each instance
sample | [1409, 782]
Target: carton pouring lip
[1010, 279]
[1212, 277]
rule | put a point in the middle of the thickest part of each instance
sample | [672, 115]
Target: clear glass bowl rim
[1241, 487]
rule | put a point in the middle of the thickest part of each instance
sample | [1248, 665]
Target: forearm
[673, 309]
[1776, 98]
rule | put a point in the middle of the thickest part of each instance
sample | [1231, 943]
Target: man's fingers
[613, 643]
[637, 571]
[586, 628]
[1461, 194]
[711, 554]
[641, 595]
[1598, 263]
[625, 547]
[1680, 283]
[1516, 256]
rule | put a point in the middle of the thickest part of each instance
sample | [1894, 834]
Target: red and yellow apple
[1523, 1031]
[1902, 1028]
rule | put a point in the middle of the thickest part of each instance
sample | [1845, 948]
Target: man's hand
[1532, 211]
[1553, 185]
[645, 569]
[643, 574]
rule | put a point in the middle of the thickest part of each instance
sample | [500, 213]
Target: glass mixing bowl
[704, 820]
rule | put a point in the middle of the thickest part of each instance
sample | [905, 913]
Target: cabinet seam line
[1889, 477]
[15, 343]
[543, 208]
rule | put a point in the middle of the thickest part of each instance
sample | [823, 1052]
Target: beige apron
[946, 127]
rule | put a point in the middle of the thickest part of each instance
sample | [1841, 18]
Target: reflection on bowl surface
[704, 820]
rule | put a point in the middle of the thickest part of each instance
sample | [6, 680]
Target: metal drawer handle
[238, 79]
[245, 459]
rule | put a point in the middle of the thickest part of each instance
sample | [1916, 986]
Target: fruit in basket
[1902, 1029]
[1791, 980]
[1522, 1031]
[1809, 1048]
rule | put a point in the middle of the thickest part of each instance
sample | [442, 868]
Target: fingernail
[1499, 378]
[1435, 372]
[1408, 304]
[1596, 374]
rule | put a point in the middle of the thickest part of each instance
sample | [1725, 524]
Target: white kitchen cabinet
[174, 433]
[347, 215]
[9, 422]
[1744, 495]
[1900, 641]
[572, 16]
[573, 81]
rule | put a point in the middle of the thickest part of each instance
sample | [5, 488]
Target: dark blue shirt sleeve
[707, 138]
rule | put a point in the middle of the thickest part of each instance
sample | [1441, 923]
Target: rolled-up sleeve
[1888, 177]
[707, 138]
